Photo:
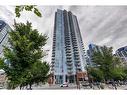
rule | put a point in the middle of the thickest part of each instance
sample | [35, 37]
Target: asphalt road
[72, 87]
[53, 87]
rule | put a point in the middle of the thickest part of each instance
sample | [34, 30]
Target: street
[53, 87]
[74, 87]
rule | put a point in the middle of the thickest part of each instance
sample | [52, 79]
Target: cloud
[102, 25]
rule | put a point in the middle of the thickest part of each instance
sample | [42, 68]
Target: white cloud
[100, 25]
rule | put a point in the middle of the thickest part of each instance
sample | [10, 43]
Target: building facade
[122, 53]
[68, 55]
[4, 29]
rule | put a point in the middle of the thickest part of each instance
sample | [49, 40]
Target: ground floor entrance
[59, 79]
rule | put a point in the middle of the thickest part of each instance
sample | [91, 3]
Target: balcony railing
[69, 60]
[52, 65]
[77, 61]
[69, 63]
[70, 71]
[52, 69]
[70, 67]
[68, 54]
[53, 58]
[77, 64]
[53, 62]
[53, 55]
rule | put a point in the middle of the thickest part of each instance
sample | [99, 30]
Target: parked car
[64, 84]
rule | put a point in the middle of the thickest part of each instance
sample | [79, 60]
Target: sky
[101, 25]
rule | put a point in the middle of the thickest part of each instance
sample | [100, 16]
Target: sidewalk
[106, 87]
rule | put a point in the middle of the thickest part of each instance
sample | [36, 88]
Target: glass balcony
[53, 62]
[68, 54]
[54, 37]
[69, 67]
[54, 42]
[68, 50]
[53, 55]
[52, 65]
[74, 41]
[53, 50]
[73, 37]
[68, 45]
[69, 60]
[70, 71]
[53, 58]
[77, 58]
[69, 57]
[67, 35]
[75, 46]
[52, 69]
[69, 63]
[78, 64]
[76, 54]
[67, 41]
[76, 51]
[77, 61]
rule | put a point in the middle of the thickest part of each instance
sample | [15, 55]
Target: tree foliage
[19, 9]
[107, 65]
[118, 73]
[96, 74]
[24, 57]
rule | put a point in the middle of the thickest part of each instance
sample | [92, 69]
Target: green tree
[24, 65]
[118, 73]
[108, 63]
[125, 71]
[19, 9]
[95, 74]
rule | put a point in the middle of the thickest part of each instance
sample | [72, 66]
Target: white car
[64, 85]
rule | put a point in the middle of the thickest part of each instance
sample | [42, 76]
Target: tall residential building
[4, 29]
[122, 53]
[68, 55]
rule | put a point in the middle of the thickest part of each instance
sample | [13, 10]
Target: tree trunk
[30, 86]
[20, 87]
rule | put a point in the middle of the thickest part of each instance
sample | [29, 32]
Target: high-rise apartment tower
[4, 29]
[68, 55]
